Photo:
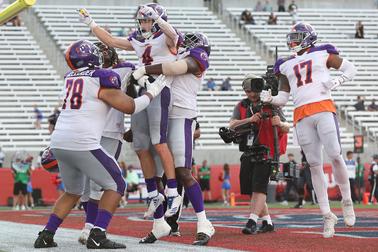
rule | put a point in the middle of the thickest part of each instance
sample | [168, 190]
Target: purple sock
[92, 210]
[53, 223]
[85, 206]
[195, 196]
[151, 184]
[171, 183]
[103, 219]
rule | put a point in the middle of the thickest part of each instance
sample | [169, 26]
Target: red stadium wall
[43, 180]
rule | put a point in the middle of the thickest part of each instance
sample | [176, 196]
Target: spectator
[359, 106]
[373, 178]
[38, 117]
[247, 18]
[360, 171]
[304, 181]
[29, 197]
[52, 119]
[359, 30]
[281, 5]
[293, 10]
[287, 168]
[204, 179]
[351, 167]
[258, 6]
[226, 184]
[21, 165]
[2, 157]
[272, 20]
[133, 182]
[16, 21]
[211, 84]
[372, 106]
[226, 85]
[267, 7]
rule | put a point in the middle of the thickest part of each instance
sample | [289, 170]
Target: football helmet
[83, 53]
[160, 10]
[197, 39]
[301, 36]
[49, 162]
[109, 54]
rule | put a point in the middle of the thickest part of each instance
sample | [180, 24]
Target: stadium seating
[336, 26]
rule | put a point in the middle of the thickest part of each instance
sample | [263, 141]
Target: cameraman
[255, 168]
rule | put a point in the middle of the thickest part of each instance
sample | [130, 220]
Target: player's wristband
[141, 103]
[92, 24]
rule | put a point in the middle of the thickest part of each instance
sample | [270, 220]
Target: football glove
[85, 18]
[333, 83]
[154, 87]
[149, 12]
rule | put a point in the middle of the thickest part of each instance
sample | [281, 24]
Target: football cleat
[265, 228]
[159, 230]
[97, 240]
[172, 222]
[348, 213]
[250, 227]
[153, 204]
[205, 231]
[330, 220]
[45, 240]
[84, 236]
[173, 205]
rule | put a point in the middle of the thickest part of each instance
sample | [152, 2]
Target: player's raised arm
[102, 34]
[158, 14]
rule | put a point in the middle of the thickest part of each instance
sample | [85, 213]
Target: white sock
[253, 217]
[88, 226]
[99, 228]
[320, 186]
[340, 173]
[153, 194]
[161, 219]
[172, 192]
[267, 218]
[201, 216]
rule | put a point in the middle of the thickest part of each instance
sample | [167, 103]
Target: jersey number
[146, 57]
[308, 66]
[76, 94]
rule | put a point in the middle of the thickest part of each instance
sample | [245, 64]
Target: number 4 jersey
[306, 73]
[83, 116]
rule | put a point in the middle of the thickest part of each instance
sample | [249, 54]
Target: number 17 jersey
[82, 120]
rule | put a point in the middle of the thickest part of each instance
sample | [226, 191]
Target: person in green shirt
[21, 174]
[204, 177]
[360, 170]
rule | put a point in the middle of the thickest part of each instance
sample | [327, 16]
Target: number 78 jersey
[83, 116]
[306, 73]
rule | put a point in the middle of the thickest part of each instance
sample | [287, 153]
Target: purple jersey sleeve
[277, 65]
[331, 49]
[108, 78]
[125, 64]
[201, 57]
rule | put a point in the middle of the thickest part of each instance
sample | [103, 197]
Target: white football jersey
[185, 87]
[115, 121]
[306, 73]
[83, 116]
[153, 50]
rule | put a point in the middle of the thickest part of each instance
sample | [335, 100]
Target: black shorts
[205, 184]
[19, 187]
[254, 176]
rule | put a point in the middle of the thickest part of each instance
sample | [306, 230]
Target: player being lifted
[188, 72]
[306, 76]
[111, 139]
[75, 142]
[155, 41]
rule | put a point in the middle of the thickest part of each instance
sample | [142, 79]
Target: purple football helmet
[197, 39]
[49, 162]
[83, 53]
[160, 10]
[301, 36]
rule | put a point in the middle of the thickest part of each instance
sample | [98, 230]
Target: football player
[75, 142]
[306, 76]
[155, 41]
[189, 71]
[111, 140]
